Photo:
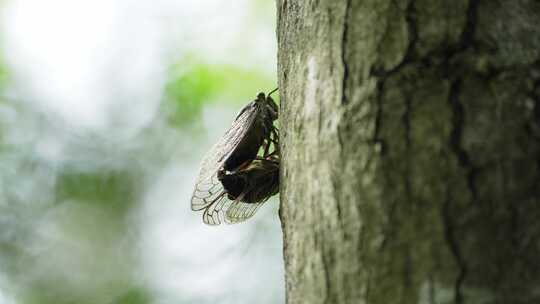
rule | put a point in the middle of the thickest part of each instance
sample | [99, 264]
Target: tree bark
[410, 141]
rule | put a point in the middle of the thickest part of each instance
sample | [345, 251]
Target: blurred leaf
[3, 75]
[115, 189]
[133, 296]
[85, 256]
[193, 85]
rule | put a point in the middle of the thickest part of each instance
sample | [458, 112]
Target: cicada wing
[206, 193]
[207, 186]
[214, 212]
[240, 211]
[218, 154]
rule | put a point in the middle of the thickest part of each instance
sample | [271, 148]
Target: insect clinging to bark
[244, 191]
[232, 156]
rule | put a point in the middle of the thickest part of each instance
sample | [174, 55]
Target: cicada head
[261, 97]
[270, 107]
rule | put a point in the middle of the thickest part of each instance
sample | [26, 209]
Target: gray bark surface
[410, 141]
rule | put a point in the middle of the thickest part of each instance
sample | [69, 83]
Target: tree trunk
[410, 140]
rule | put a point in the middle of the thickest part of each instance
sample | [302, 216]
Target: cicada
[244, 191]
[252, 130]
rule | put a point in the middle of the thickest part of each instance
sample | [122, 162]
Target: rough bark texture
[410, 139]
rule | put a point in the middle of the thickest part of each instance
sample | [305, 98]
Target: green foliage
[190, 87]
[3, 75]
[133, 296]
[113, 189]
[43, 294]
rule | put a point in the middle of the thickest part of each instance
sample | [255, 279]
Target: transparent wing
[207, 186]
[222, 209]
[239, 211]
[213, 214]
[206, 193]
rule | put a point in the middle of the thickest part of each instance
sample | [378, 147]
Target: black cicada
[231, 159]
[245, 191]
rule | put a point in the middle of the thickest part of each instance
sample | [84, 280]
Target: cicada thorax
[248, 147]
[260, 133]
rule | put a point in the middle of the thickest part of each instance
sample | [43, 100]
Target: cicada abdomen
[244, 191]
[252, 129]
[249, 188]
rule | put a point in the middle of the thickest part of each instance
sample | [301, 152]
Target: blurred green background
[106, 109]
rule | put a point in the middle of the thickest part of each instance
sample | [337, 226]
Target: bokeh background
[106, 109]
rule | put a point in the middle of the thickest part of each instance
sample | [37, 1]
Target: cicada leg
[273, 139]
[266, 145]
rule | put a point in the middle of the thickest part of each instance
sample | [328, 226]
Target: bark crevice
[406, 119]
[344, 39]
[377, 139]
[453, 245]
[412, 39]
[456, 134]
[467, 36]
